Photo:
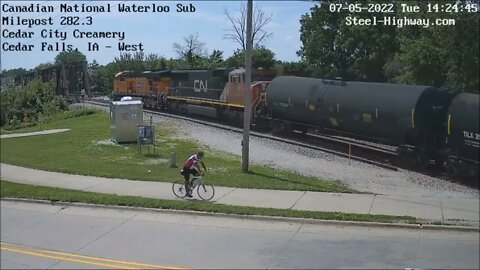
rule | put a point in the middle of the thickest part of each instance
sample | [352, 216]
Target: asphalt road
[44, 236]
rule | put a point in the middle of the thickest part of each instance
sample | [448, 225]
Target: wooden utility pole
[86, 80]
[248, 91]
[64, 81]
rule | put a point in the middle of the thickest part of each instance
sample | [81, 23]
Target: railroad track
[336, 146]
[383, 156]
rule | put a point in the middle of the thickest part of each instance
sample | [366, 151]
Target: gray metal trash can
[125, 116]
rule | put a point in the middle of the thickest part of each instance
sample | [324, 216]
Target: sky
[156, 31]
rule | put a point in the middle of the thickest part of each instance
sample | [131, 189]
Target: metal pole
[248, 93]
[349, 152]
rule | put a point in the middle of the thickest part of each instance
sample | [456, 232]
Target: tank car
[463, 141]
[409, 116]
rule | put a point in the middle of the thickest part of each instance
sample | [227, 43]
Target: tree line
[440, 55]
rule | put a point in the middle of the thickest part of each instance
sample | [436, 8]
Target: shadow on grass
[152, 155]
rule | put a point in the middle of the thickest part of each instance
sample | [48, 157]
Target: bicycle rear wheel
[178, 188]
[206, 192]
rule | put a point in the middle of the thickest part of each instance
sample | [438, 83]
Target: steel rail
[270, 137]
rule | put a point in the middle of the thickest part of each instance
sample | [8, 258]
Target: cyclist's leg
[188, 183]
[195, 172]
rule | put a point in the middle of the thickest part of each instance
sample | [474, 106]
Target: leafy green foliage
[13, 72]
[25, 104]
[101, 79]
[70, 57]
[442, 56]
[353, 52]
[71, 113]
[300, 69]
[261, 58]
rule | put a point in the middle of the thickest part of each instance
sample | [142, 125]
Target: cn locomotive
[427, 124]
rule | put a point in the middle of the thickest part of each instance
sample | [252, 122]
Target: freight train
[429, 125]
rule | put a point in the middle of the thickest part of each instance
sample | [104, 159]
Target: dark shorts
[188, 172]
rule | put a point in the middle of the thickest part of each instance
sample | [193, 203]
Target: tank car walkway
[433, 209]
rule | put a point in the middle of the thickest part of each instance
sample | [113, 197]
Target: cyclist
[191, 167]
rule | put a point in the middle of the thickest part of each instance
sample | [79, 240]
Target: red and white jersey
[192, 161]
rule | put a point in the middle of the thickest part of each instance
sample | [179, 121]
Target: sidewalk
[434, 209]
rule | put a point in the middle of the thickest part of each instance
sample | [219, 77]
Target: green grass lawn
[86, 150]
[14, 190]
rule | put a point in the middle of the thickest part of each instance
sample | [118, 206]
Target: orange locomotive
[150, 86]
[218, 92]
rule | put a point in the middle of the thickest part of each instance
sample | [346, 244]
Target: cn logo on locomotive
[200, 85]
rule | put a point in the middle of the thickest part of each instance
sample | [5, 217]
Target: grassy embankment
[15, 190]
[85, 149]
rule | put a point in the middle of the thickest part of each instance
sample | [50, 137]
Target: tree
[238, 27]
[43, 66]
[353, 52]
[318, 33]
[154, 61]
[192, 51]
[70, 57]
[261, 58]
[13, 72]
[128, 61]
[36, 97]
[301, 69]
[442, 56]
[99, 76]
[93, 65]
[439, 55]
[463, 47]
[215, 59]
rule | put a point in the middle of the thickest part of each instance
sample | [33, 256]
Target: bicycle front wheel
[206, 192]
[178, 188]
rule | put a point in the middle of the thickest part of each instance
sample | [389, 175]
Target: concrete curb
[255, 217]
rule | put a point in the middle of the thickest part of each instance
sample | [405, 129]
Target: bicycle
[204, 191]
